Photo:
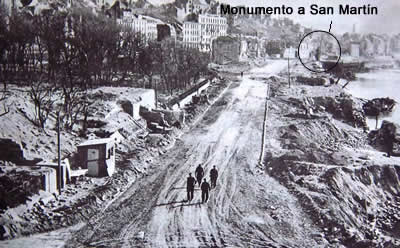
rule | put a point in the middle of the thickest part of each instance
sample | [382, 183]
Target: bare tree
[168, 65]
[78, 105]
[6, 108]
[4, 44]
[50, 38]
[96, 40]
[148, 63]
[42, 95]
[131, 43]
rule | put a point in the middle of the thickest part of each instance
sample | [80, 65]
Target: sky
[387, 20]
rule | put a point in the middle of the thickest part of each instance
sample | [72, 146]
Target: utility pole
[59, 153]
[155, 92]
[288, 69]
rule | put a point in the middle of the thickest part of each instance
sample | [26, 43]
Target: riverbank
[348, 188]
[376, 84]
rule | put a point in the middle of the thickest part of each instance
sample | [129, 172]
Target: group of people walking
[204, 185]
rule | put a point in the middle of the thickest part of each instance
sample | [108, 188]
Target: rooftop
[96, 142]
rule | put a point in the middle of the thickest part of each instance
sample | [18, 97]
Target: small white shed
[98, 156]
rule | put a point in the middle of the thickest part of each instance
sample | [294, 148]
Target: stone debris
[378, 106]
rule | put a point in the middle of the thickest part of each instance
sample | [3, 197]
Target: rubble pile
[378, 106]
[213, 91]
[349, 190]
[155, 121]
[312, 81]
[16, 186]
[387, 137]
[351, 205]
[161, 120]
[344, 108]
[318, 137]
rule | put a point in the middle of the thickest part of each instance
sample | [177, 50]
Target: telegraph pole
[288, 69]
[59, 153]
[155, 92]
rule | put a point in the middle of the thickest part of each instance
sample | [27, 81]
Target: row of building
[198, 32]
[373, 45]
[151, 28]
[201, 32]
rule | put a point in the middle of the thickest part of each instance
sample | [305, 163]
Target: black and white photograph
[199, 123]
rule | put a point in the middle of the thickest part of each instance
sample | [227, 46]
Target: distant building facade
[355, 49]
[191, 33]
[147, 26]
[195, 6]
[372, 45]
[395, 44]
[201, 33]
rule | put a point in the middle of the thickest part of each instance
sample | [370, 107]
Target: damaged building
[225, 49]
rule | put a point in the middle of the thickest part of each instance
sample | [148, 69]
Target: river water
[374, 84]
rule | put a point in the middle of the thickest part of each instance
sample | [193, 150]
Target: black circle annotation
[310, 68]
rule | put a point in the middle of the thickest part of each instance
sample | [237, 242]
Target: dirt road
[246, 209]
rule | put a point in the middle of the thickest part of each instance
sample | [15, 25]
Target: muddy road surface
[247, 208]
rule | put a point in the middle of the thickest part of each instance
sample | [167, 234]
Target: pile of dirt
[316, 139]
[343, 107]
[232, 68]
[313, 81]
[352, 205]
[213, 91]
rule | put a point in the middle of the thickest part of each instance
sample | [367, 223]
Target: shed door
[93, 162]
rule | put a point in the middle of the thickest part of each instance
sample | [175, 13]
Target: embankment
[317, 146]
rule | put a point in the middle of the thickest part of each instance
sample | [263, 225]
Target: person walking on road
[190, 187]
[213, 177]
[199, 173]
[205, 189]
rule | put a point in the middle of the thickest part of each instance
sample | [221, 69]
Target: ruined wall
[10, 151]
[21, 182]
[225, 50]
